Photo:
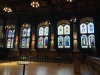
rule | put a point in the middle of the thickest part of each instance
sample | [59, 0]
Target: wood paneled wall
[94, 65]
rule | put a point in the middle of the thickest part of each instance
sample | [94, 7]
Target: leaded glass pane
[60, 42]
[24, 33]
[10, 33]
[24, 42]
[66, 29]
[13, 33]
[90, 28]
[91, 40]
[67, 42]
[83, 28]
[8, 43]
[12, 41]
[60, 30]
[28, 32]
[84, 41]
[27, 44]
[40, 42]
[41, 31]
[45, 42]
[46, 31]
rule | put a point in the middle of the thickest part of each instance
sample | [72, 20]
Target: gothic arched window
[10, 36]
[43, 35]
[63, 35]
[25, 36]
[87, 34]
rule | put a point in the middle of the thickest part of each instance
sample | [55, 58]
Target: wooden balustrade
[94, 65]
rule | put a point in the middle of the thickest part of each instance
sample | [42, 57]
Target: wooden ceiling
[50, 7]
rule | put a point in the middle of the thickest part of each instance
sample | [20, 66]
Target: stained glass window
[24, 32]
[8, 43]
[83, 28]
[66, 29]
[40, 42]
[63, 36]
[45, 42]
[28, 32]
[84, 41]
[43, 33]
[91, 40]
[10, 33]
[25, 36]
[13, 32]
[10, 36]
[90, 27]
[67, 42]
[23, 42]
[60, 30]
[46, 31]
[27, 44]
[12, 41]
[60, 42]
[87, 34]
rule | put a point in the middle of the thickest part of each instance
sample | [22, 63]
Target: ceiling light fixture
[7, 9]
[47, 23]
[35, 4]
[70, 0]
[73, 19]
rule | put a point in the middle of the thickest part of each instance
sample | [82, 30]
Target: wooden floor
[39, 68]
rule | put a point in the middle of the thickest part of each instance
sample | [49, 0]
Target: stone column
[76, 54]
[33, 43]
[52, 39]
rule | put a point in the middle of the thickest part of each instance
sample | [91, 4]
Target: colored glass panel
[46, 31]
[40, 42]
[24, 42]
[28, 32]
[13, 33]
[66, 29]
[67, 42]
[91, 40]
[83, 28]
[8, 43]
[10, 33]
[60, 30]
[60, 42]
[27, 44]
[24, 32]
[12, 42]
[41, 31]
[90, 27]
[84, 41]
[45, 42]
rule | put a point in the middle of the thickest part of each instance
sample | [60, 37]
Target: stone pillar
[76, 54]
[52, 39]
[16, 43]
[52, 42]
[33, 42]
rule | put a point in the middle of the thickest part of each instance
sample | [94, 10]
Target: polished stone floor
[39, 68]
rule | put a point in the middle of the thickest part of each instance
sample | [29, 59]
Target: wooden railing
[94, 65]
